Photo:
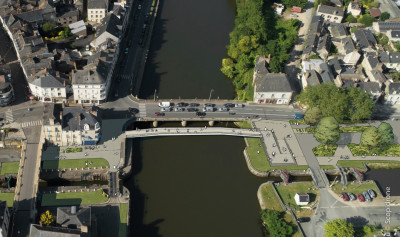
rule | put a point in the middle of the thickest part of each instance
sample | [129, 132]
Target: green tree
[275, 225]
[384, 16]
[291, 3]
[275, 65]
[47, 218]
[339, 228]
[351, 19]
[312, 115]
[385, 131]
[361, 105]
[366, 19]
[370, 137]
[228, 67]
[66, 33]
[327, 131]
[48, 28]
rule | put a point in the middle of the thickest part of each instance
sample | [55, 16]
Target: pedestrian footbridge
[193, 131]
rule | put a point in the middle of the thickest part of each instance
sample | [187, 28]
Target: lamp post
[155, 92]
[211, 91]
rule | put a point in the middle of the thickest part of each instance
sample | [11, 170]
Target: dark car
[201, 114]
[194, 104]
[367, 197]
[192, 109]
[160, 114]
[209, 105]
[298, 116]
[229, 105]
[303, 219]
[182, 104]
[344, 196]
[360, 197]
[133, 110]
[371, 193]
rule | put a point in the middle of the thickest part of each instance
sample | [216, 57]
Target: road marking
[142, 110]
[284, 115]
[31, 123]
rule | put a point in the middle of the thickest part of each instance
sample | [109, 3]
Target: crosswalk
[142, 110]
[31, 123]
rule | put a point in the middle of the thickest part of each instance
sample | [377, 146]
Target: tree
[47, 218]
[385, 131]
[384, 16]
[327, 131]
[351, 19]
[48, 28]
[312, 116]
[370, 137]
[339, 228]
[228, 67]
[361, 105]
[366, 19]
[275, 225]
[291, 3]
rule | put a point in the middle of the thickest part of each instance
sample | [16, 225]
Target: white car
[87, 48]
[294, 15]
[168, 109]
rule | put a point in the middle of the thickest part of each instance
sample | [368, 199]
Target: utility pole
[211, 91]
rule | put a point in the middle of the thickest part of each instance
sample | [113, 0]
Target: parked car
[182, 104]
[294, 15]
[160, 114]
[298, 116]
[194, 104]
[168, 109]
[367, 197]
[360, 197]
[229, 105]
[303, 219]
[239, 105]
[201, 114]
[139, 7]
[352, 196]
[208, 109]
[209, 105]
[371, 193]
[192, 109]
[223, 109]
[179, 109]
[87, 47]
[344, 196]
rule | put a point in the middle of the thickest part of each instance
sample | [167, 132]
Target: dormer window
[86, 127]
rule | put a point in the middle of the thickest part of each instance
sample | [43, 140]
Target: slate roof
[337, 2]
[71, 119]
[385, 26]
[313, 78]
[68, 13]
[109, 24]
[331, 10]
[394, 87]
[51, 231]
[394, 57]
[373, 61]
[383, 57]
[335, 64]
[348, 44]
[3, 206]
[4, 3]
[48, 81]
[378, 76]
[337, 30]
[96, 4]
[82, 217]
[395, 34]
[311, 44]
[324, 42]
[364, 38]
[273, 82]
[326, 73]
[369, 87]
[31, 17]
[303, 197]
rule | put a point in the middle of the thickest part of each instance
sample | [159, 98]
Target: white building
[392, 95]
[302, 199]
[310, 64]
[96, 10]
[48, 89]
[329, 13]
[273, 88]
[354, 8]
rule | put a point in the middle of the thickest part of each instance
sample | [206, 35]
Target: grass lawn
[356, 188]
[260, 161]
[353, 128]
[123, 212]
[9, 197]
[327, 167]
[73, 198]
[322, 151]
[75, 163]
[358, 150]
[287, 194]
[9, 168]
[373, 164]
[244, 124]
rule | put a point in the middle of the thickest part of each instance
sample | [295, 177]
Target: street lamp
[211, 91]
[155, 92]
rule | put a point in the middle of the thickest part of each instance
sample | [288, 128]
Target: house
[78, 28]
[67, 16]
[301, 199]
[49, 88]
[273, 88]
[96, 10]
[392, 93]
[375, 12]
[6, 89]
[338, 31]
[324, 45]
[278, 8]
[316, 30]
[109, 28]
[310, 64]
[390, 60]
[386, 26]
[338, 3]
[329, 13]
[70, 222]
[371, 63]
[311, 78]
[377, 76]
[364, 40]
[393, 35]
[354, 8]
[4, 219]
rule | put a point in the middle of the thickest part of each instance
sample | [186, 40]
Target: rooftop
[273, 82]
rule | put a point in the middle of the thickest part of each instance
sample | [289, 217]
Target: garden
[52, 32]
[355, 187]
[9, 168]
[71, 150]
[74, 198]
[75, 163]
[325, 150]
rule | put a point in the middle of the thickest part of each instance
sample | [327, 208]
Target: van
[208, 109]
[298, 116]
[239, 105]
[164, 104]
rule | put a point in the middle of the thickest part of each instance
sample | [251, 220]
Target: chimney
[51, 120]
[73, 210]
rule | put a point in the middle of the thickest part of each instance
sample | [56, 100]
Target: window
[335, 18]
[49, 129]
[58, 139]
[272, 96]
[329, 17]
[96, 16]
[91, 11]
[96, 11]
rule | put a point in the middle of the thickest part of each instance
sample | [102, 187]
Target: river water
[188, 43]
[386, 179]
[193, 186]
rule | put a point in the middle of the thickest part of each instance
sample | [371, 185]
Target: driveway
[331, 207]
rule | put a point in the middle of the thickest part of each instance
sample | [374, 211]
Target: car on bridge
[182, 104]
[201, 114]
[209, 105]
[179, 109]
[229, 105]
[168, 109]
[192, 109]
[223, 109]
[194, 104]
[159, 114]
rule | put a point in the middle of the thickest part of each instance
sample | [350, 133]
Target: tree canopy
[312, 115]
[275, 225]
[47, 218]
[366, 19]
[342, 104]
[327, 131]
[339, 228]
[384, 16]
[385, 131]
[370, 137]
[48, 28]
[291, 3]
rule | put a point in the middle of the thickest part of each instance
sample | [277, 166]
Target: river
[386, 179]
[193, 186]
[188, 43]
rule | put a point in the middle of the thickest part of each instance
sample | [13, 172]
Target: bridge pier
[155, 124]
[211, 123]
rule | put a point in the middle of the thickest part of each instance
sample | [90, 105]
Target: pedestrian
[265, 128]
[258, 151]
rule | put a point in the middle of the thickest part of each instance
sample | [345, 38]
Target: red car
[360, 197]
[160, 114]
[344, 196]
